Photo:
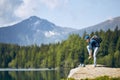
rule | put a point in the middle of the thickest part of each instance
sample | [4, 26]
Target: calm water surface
[34, 75]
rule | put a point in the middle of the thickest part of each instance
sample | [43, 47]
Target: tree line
[68, 53]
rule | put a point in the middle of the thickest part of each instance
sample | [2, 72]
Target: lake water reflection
[34, 75]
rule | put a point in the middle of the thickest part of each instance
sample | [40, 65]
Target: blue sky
[66, 13]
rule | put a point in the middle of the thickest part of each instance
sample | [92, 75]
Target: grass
[68, 79]
[103, 78]
[97, 78]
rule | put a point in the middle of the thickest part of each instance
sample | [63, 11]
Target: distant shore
[27, 69]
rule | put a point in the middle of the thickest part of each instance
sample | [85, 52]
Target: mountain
[33, 31]
[108, 24]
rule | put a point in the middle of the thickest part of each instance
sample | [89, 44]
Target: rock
[92, 72]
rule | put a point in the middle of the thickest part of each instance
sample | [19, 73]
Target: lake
[33, 74]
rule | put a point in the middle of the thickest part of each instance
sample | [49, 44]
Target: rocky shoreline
[89, 71]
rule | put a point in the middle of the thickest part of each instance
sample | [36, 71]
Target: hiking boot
[90, 57]
[95, 66]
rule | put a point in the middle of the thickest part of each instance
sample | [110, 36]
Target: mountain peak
[34, 17]
[33, 30]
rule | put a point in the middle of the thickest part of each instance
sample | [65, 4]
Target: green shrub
[103, 78]
[68, 79]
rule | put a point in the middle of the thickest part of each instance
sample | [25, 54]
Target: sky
[66, 13]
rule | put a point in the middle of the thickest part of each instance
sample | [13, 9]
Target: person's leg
[94, 55]
[88, 49]
[90, 54]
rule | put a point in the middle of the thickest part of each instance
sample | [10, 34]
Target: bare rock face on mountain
[92, 72]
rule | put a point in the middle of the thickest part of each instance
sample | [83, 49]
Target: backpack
[96, 38]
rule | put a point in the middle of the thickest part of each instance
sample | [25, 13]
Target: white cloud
[51, 3]
[13, 10]
[7, 8]
[27, 8]
[32, 7]
[54, 3]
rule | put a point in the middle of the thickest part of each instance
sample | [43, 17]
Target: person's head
[87, 38]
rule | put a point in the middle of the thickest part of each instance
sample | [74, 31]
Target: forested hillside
[68, 53]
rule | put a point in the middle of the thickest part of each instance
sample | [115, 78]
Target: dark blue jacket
[93, 43]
